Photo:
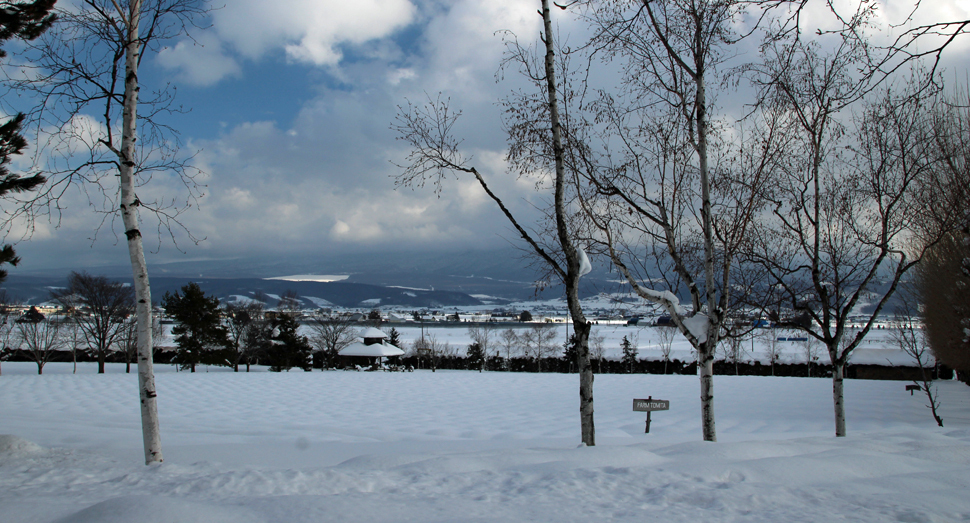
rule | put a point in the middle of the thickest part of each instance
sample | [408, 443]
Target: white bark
[705, 368]
[572, 254]
[706, 349]
[838, 398]
[672, 48]
[436, 153]
[139, 268]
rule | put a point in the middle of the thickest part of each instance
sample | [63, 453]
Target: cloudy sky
[291, 103]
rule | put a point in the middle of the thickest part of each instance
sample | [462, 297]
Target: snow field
[468, 446]
[877, 349]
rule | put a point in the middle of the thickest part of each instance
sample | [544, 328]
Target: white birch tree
[845, 201]
[85, 73]
[666, 203]
[536, 142]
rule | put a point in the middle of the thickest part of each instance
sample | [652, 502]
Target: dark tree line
[206, 334]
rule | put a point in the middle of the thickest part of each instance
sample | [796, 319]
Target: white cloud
[203, 62]
[309, 30]
[464, 49]
[396, 76]
[240, 199]
[325, 178]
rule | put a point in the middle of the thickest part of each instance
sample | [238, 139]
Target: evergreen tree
[525, 316]
[287, 349]
[24, 21]
[476, 357]
[394, 337]
[629, 354]
[199, 334]
[31, 316]
[570, 353]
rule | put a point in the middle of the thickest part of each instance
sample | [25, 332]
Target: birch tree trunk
[580, 325]
[838, 371]
[706, 349]
[435, 153]
[139, 268]
[705, 368]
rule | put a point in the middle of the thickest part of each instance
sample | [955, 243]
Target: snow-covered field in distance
[878, 348]
[468, 446]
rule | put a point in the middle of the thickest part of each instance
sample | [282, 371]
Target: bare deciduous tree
[429, 347]
[910, 337]
[734, 351]
[330, 336]
[483, 336]
[75, 339]
[435, 153]
[665, 339]
[811, 349]
[127, 343]
[86, 78]
[597, 350]
[509, 342]
[240, 319]
[40, 339]
[773, 347]
[666, 204]
[846, 199]
[100, 307]
[289, 301]
[538, 342]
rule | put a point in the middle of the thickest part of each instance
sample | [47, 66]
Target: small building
[374, 345]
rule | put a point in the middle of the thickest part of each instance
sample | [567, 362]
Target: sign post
[649, 405]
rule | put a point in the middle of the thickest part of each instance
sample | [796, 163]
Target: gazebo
[373, 346]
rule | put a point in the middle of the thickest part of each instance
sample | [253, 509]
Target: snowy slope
[464, 446]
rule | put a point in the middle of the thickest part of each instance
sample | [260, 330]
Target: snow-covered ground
[465, 446]
[878, 348]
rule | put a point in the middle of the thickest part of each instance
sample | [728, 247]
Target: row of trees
[239, 333]
[539, 343]
[805, 201]
[648, 162]
[98, 318]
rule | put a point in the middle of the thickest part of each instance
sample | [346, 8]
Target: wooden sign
[650, 405]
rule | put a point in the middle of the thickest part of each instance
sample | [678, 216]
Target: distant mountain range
[402, 279]
[420, 279]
